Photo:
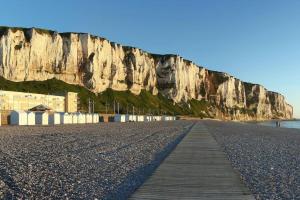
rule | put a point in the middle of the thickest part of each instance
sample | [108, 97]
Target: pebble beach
[111, 160]
[267, 158]
[95, 161]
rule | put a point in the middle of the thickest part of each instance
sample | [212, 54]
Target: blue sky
[255, 40]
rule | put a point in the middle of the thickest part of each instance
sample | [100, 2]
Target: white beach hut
[148, 118]
[157, 118]
[18, 118]
[54, 118]
[65, 118]
[30, 118]
[127, 118]
[95, 118]
[140, 118]
[80, 118]
[119, 118]
[164, 118]
[41, 118]
[74, 118]
[89, 118]
[167, 118]
[69, 119]
[132, 118]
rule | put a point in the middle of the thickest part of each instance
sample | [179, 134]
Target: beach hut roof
[40, 107]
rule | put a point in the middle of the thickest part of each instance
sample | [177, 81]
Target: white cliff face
[98, 64]
[76, 59]
[178, 79]
[232, 93]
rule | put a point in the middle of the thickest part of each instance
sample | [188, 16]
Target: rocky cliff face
[98, 64]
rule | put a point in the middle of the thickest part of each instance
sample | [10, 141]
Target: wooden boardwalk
[196, 169]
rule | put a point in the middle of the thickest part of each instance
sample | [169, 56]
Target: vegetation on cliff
[144, 103]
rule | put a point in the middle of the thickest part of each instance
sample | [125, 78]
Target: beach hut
[157, 118]
[65, 118]
[18, 118]
[140, 118]
[89, 118]
[148, 118]
[80, 118]
[119, 118]
[41, 118]
[54, 118]
[30, 118]
[166, 118]
[74, 118]
[95, 118]
[101, 118]
[132, 118]
[127, 118]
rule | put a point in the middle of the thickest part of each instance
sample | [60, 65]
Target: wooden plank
[196, 169]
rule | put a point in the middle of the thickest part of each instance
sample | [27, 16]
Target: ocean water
[285, 124]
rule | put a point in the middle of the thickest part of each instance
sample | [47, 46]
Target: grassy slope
[144, 103]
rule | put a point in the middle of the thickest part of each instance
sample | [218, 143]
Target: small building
[95, 118]
[74, 118]
[148, 118]
[119, 118]
[65, 118]
[156, 118]
[18, 118]
[5, 117]
[41, 118]
[30, 118]
[101, 119]
[127, 116]
[132, 118]
[167, 118]
[54, 118]
[11, 100]
[80, 118]
[140, 118]
[89, 118]
[106, 118]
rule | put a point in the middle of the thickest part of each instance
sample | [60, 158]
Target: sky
[256, 41]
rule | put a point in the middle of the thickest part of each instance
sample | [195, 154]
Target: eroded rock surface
[98, 64]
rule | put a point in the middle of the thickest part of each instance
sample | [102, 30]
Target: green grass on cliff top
[144, 103]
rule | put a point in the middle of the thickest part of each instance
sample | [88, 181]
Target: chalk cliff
[98, 64]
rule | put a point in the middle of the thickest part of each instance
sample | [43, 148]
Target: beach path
[196, 169]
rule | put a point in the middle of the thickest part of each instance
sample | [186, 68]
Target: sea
[284, 124]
